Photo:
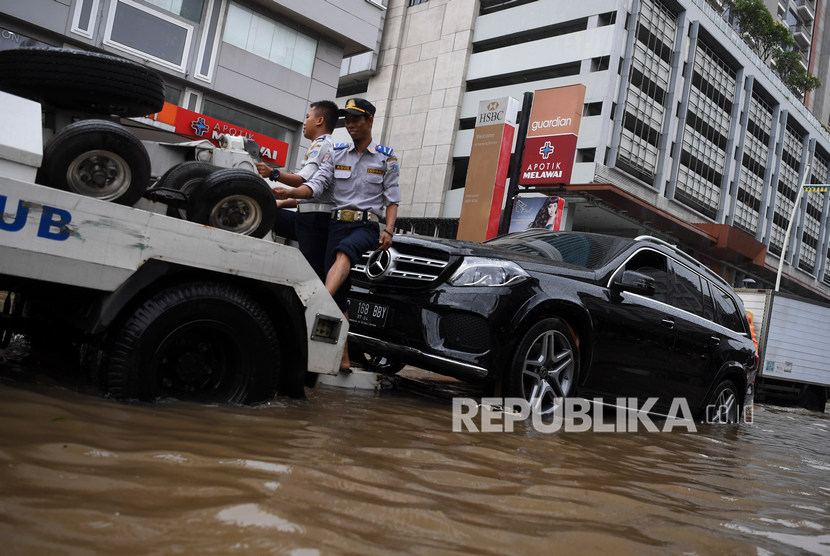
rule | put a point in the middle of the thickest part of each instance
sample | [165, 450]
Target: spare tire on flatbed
[80, 80]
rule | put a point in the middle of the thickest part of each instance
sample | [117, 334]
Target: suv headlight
[477, 271]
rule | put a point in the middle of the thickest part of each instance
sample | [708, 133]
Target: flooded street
[382, 473]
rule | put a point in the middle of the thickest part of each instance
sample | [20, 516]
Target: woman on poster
[546, 217]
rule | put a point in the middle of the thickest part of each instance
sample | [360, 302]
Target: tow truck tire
[86, 81]
[203, 341]
[234, 200]
[185, 177]
[98, 159]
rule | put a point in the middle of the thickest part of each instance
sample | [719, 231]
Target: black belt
[349, 215]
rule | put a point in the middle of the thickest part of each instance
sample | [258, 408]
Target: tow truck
[158, 306]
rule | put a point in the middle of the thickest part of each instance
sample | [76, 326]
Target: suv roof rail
[682, 254]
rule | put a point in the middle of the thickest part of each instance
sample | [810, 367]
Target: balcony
[804, 59]
[802, 34]
[806, 10]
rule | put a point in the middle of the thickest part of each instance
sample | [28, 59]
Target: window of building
[787, 188]
[532, 34]
[525, 76]
[354, 89]
[188, 9]
[246, 120]
[142, 30]
[708, 120]
[754, 162]
[269, 39]
[645, 108]
[172, 94]
[586, 155]
[491, 6]
[459, 172]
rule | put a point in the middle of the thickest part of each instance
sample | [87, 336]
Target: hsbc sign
[487, 174]
[553, 129]
[498, 111]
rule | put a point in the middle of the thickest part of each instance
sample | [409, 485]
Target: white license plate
[368, 313]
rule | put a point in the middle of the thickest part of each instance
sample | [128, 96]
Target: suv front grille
[401, 267]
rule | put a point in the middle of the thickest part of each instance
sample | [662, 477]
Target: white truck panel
[795, 346]
[791, 336]
[103, 244]
[21, 144]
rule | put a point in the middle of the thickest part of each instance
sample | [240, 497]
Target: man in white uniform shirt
[309, 226]
[362, 178]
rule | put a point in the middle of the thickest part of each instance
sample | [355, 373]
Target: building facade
[685, 133]
[253, 63]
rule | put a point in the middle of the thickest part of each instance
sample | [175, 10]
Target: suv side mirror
[634, 282]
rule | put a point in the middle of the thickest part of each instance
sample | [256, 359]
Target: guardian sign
[551, 135]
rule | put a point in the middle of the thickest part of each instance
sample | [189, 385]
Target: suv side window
[652, 263]
[726, 312]
[686, 293]
[708, 303]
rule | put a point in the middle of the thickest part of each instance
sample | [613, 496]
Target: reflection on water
[380, 473]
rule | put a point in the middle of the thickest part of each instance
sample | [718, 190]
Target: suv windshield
[574, 248]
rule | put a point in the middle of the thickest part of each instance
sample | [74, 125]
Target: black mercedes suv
[541, 314]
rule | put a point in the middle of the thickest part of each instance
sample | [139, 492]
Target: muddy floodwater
[345, 472]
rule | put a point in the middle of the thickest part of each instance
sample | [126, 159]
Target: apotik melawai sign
[552, 132]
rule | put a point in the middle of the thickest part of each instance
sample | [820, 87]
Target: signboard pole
[516, 163]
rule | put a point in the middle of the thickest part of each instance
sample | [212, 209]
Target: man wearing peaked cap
[358, 107]
[363, 179]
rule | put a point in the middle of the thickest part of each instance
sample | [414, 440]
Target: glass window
[237, 26]
[247, 121]
[304, 53]
[686, 291]
[188, 9]
[172, 94]
[708, 303]
[260, 37]
[726, 312]
[268, 39]
[651, 263]
[139, 28]
[583, 250]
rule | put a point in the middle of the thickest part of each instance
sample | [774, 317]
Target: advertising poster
[537, 212]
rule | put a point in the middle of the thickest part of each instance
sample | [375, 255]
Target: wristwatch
[275, 174]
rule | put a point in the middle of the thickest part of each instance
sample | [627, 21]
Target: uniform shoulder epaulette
[339, 146]
[383, 149]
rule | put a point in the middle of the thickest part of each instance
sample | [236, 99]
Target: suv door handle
[715, 340]
[668, 323]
